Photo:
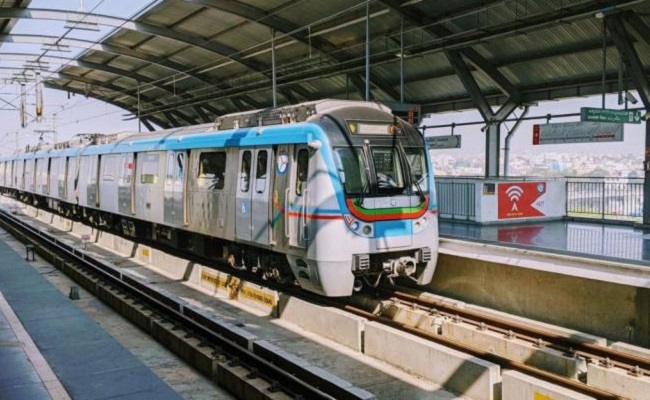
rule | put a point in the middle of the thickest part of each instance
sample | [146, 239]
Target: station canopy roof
[184, 62]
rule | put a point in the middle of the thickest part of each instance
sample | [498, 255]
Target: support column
[492, 149]
[646, 175]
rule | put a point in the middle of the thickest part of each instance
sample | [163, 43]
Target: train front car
[370, 206]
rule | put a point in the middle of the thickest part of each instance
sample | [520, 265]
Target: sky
[71, 115]
[66, 115]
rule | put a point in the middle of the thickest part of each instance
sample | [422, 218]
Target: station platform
[50, 349]
[598, 240]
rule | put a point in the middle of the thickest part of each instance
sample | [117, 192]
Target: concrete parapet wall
[619, 381]
[616, 311]
[631, 350]
[554, 329]
[469, 376]
[339, 326]
[514, 349]
[517, 386]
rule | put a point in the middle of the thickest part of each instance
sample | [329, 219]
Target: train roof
[239, 127]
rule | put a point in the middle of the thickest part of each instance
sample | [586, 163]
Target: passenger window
[212, 170]
[260, 176]
[245, 172]
[149, 175]
[302, 171]
[170, 166]
[180, 161]
[127, 168]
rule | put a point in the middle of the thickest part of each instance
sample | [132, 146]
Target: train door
[280, 196]
[63, 176]
[253, 187]
[173, 188]
[243, 228]
[298, 193]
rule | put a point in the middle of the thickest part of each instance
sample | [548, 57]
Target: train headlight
[420, 223]
[358, 227]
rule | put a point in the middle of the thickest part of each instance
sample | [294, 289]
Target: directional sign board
[577, 132]
[607, 115]
[444, 142]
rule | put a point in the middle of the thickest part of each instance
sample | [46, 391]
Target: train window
[127, 169]
[302, 171]
[212, 170]
[170, 166]
[245, 171]
[149, 171]
[353, 170]
[260, 175]
[387, 165]
[108, 166]
[180, 161]
[418, 164]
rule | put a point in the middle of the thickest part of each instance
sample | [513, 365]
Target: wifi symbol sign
[514, 193]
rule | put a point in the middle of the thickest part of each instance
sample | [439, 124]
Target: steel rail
[288, 381]
[385, 295]
[568, 345]
[486, 355]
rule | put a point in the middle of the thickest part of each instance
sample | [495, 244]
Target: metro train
[332, 195]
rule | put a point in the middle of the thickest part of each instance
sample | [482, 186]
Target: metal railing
[586, 197]
[456, 199]
[605, 198]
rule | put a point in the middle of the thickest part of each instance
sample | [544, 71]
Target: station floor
[50, 349]
[591, 239]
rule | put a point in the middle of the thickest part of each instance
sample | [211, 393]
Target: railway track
[234, 354]
[297, 387]
[592, 353]
[635, 365]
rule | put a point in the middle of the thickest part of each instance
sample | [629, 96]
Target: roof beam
[65, 61]
[630, 58]
[211, 109]
[119, 89]
[224, 51]
[433, 26]
[465, 76]
[96, 96]
[172, 119]
[587, 86]
[184, 117]
[147, 124]
[458, 41]
[639, 28]
[294, 31]
[202, 115]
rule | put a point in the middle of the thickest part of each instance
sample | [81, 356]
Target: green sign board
[607, 115]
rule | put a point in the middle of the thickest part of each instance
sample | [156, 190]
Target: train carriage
[333, 194]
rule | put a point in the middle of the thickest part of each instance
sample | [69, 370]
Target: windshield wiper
[414, 181]
[417, 185]
[364, 189]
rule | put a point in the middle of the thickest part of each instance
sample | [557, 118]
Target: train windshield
[388, 170]
[418, 167]
[391, 172]
[353, 170]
